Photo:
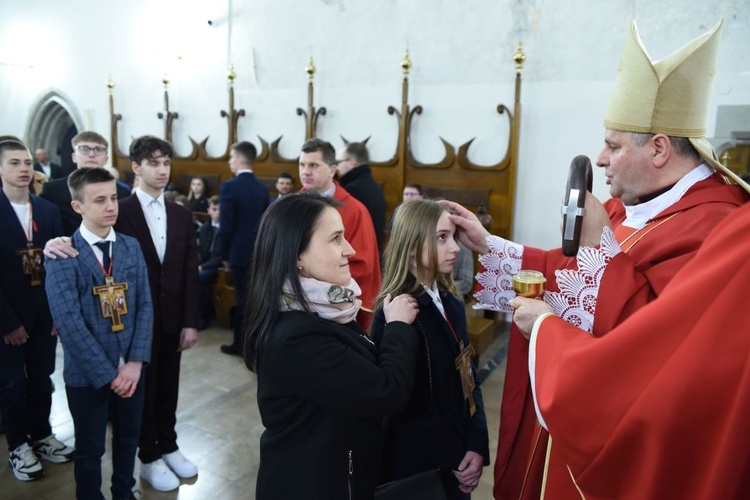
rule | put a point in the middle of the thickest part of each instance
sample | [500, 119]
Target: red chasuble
[365, 264]
[659, 407]
[631, 280]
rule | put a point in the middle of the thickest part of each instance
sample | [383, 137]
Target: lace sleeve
[576, 300]
[501, 263]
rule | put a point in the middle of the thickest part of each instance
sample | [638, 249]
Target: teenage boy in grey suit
[101, 305]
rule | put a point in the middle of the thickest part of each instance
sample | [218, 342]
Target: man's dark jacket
[360, 184]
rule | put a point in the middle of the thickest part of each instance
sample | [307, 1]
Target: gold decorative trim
[651, 227]
[674, 132]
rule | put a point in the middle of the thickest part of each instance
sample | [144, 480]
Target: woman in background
[323, 387]
[197, 197]
[438, 429]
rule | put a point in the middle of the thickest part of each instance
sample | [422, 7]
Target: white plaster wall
[462, 69]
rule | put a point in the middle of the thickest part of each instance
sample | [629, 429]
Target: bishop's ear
[662, 149]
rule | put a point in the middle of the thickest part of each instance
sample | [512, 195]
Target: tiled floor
[218, 427]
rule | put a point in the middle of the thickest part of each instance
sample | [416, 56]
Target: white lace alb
[576, 300]
[501, 263]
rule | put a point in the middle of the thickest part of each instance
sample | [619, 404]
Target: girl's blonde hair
[414, 226]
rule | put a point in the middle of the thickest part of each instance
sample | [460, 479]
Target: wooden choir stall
[486, 189]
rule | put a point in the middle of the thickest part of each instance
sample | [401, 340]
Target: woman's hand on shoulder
[402, 308]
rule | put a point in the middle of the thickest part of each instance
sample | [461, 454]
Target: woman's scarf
[333, 302]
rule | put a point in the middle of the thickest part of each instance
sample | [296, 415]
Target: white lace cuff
[576, 301]
[501, 263]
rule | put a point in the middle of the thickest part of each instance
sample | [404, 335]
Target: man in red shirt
[317, 166]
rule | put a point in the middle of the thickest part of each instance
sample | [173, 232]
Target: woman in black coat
[323, 387]
[438, 429]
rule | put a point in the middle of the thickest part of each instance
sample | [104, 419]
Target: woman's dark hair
[284, 233]
[191, 195]
[416, 186]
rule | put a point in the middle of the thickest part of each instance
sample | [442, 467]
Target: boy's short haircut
[327, 151]
[247, 150]
[82, 177]
[146, 146]
[89, 136]
[285, 175]
[214, 200]
[10, 143]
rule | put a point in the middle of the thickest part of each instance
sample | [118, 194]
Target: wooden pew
[223, 299]
[480, 325]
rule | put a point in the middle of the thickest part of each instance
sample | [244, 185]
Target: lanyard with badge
[111, 296]
[32, 261]
[463, 360]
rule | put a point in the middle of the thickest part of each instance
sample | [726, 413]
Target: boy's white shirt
[91, 238]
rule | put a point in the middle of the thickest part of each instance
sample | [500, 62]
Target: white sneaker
[53, 450]
[180, 465]
[158, 475]
[24, 463]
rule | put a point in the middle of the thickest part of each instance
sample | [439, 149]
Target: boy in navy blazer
[27, 349]
[89, 150]
[101, 305]
[243, 201]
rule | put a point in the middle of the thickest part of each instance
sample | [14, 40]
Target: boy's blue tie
[104, 247]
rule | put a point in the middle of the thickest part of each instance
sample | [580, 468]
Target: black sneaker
[231, 349]
[134, 495]
[24, 463]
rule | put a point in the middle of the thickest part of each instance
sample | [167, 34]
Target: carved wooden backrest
[455, 177]
[183, 182]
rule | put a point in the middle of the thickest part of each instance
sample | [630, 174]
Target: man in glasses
[89, 150]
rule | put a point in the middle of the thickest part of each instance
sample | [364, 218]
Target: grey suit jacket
[92, 350]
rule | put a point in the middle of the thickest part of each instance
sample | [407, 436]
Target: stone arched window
[53, 121]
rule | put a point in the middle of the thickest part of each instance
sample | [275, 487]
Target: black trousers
[25, 386]
[206, 278]
[158, 435]
[239, 277]
[89, 408]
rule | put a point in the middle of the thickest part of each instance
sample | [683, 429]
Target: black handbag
[422, 486]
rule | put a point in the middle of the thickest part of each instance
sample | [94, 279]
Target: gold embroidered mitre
[670, 96]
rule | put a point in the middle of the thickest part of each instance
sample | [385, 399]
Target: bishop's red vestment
[631, 279]
[659, 406]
